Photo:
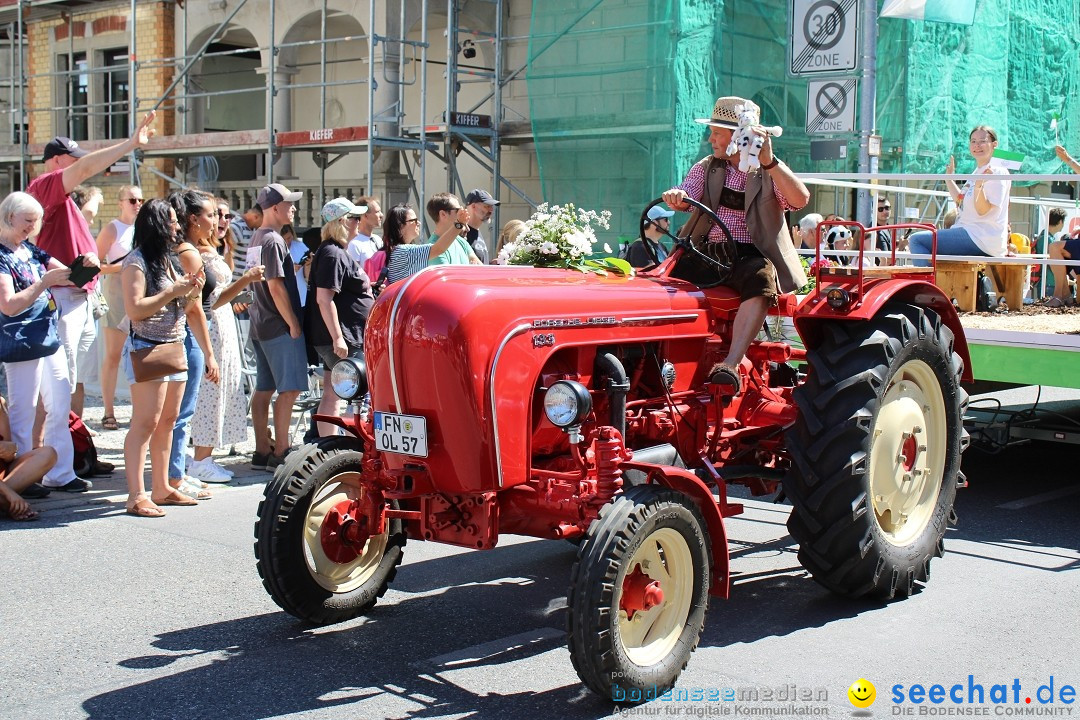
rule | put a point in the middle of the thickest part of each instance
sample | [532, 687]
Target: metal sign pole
[867, 108]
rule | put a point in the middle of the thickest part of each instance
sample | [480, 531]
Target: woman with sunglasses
[113, 245]
[224, 234]
[400, 229]
[982, 228]
[339, 299]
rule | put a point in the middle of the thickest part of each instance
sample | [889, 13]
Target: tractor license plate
[402, 434]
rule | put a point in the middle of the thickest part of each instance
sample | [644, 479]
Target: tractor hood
[463, 347]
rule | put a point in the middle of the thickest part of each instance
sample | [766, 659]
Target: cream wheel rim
[650, 635]
[334, 576]
[907, 455]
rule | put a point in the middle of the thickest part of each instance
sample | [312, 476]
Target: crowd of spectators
[166, 287]
[167, 279]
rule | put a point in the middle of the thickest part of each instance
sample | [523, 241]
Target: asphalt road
[109, 616]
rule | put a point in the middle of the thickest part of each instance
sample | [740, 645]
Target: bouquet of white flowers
[561, 236]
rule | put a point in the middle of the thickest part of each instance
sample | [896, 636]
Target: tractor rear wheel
[638, 594]
[876, 452]
[305, 566]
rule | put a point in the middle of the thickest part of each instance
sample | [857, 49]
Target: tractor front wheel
[305, 564]
[638, 594]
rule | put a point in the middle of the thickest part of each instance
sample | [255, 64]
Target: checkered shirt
[694, 186]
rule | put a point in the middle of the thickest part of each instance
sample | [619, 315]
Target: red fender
[812, 315]
[691, 485]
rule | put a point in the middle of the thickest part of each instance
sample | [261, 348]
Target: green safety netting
[614, 86]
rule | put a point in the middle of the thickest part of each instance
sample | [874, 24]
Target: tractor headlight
[567, 403]
[349, 378]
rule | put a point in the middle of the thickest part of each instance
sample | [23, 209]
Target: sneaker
[259, 461]
[37, 491]
[276, 460]
[204, 470]
[78, 485]
[221, 468]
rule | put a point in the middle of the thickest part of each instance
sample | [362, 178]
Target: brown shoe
[722, 374]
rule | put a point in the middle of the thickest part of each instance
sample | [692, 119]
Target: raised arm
[101, 160]
[443, 243]
[790, 186]
[1067, 158]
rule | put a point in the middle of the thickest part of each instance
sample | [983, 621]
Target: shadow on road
[475, 613]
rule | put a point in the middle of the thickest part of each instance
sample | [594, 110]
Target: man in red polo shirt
[65, 234]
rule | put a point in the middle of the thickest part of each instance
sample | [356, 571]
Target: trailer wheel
[638, 594]
[876, 452]
[304, 566]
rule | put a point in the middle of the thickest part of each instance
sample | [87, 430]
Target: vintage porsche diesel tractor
[566, 405]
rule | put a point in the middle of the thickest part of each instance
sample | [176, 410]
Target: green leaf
[612, 264]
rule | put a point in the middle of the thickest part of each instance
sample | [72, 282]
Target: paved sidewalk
[112, 489]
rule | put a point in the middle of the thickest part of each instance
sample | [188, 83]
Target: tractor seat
[724, 300]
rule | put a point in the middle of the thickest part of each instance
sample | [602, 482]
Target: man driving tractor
[752, 205]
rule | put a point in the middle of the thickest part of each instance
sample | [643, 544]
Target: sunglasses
[226, 216]
[133, 201]
[414, 221]
[884, 208]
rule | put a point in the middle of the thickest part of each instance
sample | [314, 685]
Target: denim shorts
[281, 364]
[140, 344]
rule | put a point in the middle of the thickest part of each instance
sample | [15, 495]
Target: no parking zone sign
[822, 36]
[830, 106]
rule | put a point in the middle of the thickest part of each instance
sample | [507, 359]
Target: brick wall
[106, 26]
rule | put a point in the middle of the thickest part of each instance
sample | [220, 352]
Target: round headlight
[567, 403]
[349, 378]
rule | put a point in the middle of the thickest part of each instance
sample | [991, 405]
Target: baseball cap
[657, 211]
[61, 145]
[275, 193]
[480, 196]
[339, 207]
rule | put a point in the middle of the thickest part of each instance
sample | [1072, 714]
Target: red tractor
[567, 405]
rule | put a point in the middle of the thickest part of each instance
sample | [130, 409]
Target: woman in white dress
[217, 421]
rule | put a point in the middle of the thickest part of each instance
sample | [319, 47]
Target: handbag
[99, 306]
[159, 360]
[32, 334]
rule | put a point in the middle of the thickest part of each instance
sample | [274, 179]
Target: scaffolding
[395, 143]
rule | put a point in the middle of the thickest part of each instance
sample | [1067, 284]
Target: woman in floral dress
[216, 422]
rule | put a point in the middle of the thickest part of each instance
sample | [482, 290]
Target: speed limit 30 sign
[823, 34]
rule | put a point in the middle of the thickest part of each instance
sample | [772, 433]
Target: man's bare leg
[748, 321]
[283, 408]
[260, 420]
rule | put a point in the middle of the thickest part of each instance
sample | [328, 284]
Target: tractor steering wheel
[720, 256]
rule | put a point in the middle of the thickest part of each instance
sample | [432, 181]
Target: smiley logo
[862, 693]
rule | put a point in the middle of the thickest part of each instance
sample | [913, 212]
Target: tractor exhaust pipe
[618, 385]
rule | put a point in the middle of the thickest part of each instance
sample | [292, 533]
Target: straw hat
[724, 114]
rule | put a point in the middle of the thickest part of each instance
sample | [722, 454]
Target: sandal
[1053, 302]
[194, 482]
[191, 491]
[109, 423]
[176, 498]
[144, 508]
[722, 374]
